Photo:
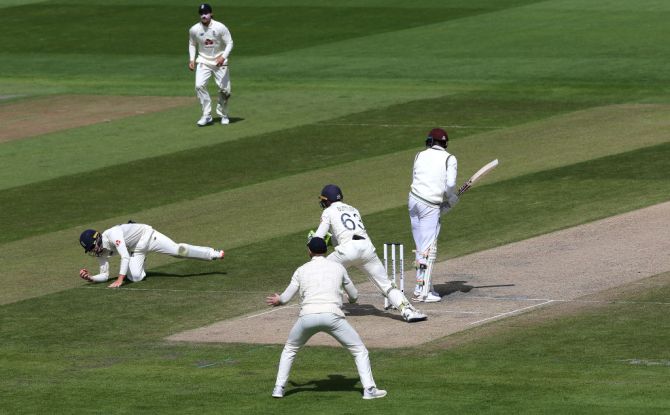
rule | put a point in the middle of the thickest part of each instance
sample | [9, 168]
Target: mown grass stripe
[64, 202]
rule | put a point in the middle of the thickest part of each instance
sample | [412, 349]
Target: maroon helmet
[437, 136]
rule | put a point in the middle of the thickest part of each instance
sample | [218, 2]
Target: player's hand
[84, 274]
[118, 282]
[191, 66]
[272, 300]
[220, 61]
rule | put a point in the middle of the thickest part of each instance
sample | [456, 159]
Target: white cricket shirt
[321, 284]
[123, 239]
[211, 41]
[434, 175]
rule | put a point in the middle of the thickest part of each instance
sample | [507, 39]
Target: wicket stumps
[397, 266]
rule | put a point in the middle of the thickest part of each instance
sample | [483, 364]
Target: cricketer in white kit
[354, 247]
[212, 42]
[132, 242]
[321, 284]
[433, 193]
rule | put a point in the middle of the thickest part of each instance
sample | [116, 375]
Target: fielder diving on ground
[132, 241]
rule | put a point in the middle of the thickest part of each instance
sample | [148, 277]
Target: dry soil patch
[37, 116]
[553, 269]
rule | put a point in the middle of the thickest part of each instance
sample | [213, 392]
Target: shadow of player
[334, 383]
[352, 310]
[451, 287]
[186, 275]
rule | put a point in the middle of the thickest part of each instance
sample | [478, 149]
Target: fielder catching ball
[213, 43]
[433, 193]
[354, 247]
[132, 242]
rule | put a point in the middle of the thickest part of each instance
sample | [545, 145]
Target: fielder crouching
[132, 241]
[353, 247]
[321, 284]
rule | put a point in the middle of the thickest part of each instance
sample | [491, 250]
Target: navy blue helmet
[317, 246]
[90, 240]
[330, 193]
[204, 9]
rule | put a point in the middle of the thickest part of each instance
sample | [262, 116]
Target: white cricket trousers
[221, 75]
[361, 254]
[154, 241]
[338, 327]
[425, 220]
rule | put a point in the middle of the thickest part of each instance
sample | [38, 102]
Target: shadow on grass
[334, 383]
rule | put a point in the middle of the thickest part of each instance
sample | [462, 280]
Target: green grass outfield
[573, 97]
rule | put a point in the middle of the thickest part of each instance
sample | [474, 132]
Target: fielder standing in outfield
[212, 42]
[132, 241]
[354, 247]
[433, 193]
[321, 284]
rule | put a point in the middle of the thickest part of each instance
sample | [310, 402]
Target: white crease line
[570, 301]
[177, 291]
[512, 312]
[377, 295]
[407, 125]
[454, 312]
[272, 311]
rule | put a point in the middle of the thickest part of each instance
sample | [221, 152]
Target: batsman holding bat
[433, 192]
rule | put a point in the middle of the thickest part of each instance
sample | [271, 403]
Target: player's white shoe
[224, 120]
[373, 393]
[432, 297]
[204, 120]
[278, 392]
[411, 315]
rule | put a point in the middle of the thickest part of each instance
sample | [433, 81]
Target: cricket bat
[478, 175]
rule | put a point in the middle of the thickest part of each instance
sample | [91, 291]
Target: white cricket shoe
[412, 315]
[278, 392]
[373, 393]
[225, 120]
[432, 297]
[204, 120]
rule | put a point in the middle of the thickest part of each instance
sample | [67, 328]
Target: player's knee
[182, 250]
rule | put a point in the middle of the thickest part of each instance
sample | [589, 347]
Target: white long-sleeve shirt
[209, 42]
[321, 284]
[121, 239]
[434, 175]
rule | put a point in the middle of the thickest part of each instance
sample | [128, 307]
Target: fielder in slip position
[354, 247]
[132, 241]
[213, 43]
[433, 193]
[321, 284]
